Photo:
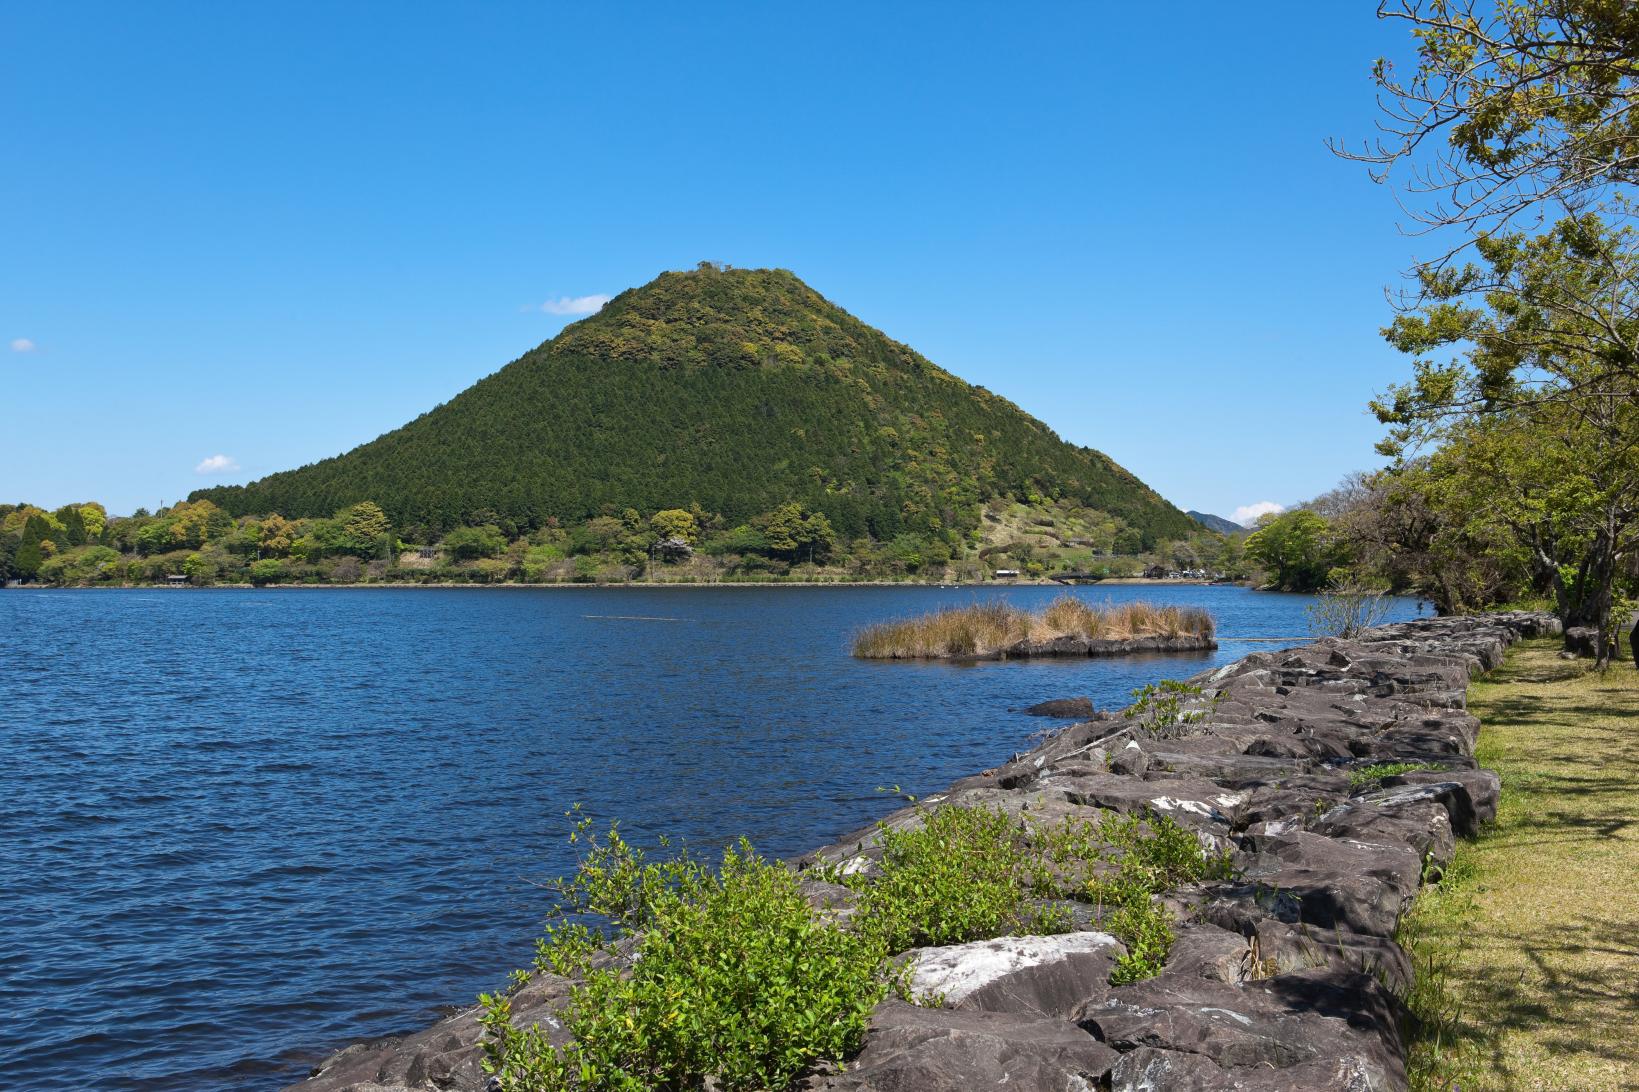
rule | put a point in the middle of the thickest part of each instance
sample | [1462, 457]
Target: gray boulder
[913, 1049]
[1582, 641]
[1044, 975]
[1062, 708]
[1321, 1020]
[446, 1056]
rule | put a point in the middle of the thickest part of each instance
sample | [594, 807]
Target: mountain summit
[735, 389]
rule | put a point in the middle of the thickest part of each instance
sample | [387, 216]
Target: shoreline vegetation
[521, 585]
[1068, 626]
[199, 544]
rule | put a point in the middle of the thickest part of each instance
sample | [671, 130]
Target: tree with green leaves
[1514, 105]
[470, 543]
[34, 545]
[1298, 550]
[676, 523]
[364, 521]
[1526, 365]
[797, 533]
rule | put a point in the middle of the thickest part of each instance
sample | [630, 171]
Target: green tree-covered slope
[734, 389]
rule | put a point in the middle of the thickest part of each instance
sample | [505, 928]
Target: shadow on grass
[1535, 958]
[1566, 999]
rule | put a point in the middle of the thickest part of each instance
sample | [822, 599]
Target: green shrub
[964, 874]
[735, 980]
[1146, 930]
[468, 543]
[1159, 707]
[1120, 864]
[269, 570]
[81, 565]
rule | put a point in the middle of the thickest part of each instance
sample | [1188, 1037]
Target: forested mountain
[736, 390]
[1215, 523]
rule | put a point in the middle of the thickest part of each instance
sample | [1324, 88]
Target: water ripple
[244, 828]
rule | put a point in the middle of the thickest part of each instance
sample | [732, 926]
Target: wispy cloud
[573, 305]
[216, 464]
[1247, 514]
[22, 345]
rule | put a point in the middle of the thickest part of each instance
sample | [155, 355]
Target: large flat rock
[1045, 975]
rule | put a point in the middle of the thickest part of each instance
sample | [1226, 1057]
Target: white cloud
[216, 464]
[574, 305]
[22, 345]
[1247, 514]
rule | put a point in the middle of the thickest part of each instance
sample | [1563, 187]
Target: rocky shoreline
[1079, 647]
[1285, 977]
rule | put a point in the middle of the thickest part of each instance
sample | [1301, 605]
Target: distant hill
[1216, 523]
[734, 389]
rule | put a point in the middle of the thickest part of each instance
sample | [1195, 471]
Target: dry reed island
[1204, 891]
[1067, 627]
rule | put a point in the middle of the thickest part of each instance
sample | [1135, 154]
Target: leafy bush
[81, 565]
[741, 540]
[734, 979]
[1120, 863]
[1160, 707]
[539, 561]
[269, 570]
[731, 979]
[469, 543]
[964, 874]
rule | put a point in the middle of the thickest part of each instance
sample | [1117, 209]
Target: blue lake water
[243, 828]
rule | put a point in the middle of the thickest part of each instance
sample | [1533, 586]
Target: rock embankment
[1285, 977]
[1095, 646]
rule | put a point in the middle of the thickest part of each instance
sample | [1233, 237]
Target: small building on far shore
[1007, 574]
[176, 580]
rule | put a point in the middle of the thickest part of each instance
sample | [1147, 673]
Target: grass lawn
[1528, 952]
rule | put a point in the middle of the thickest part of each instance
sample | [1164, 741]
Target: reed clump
[985, 628]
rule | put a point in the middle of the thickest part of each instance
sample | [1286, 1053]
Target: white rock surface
[958, 970]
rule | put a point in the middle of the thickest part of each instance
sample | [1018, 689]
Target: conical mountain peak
[737, 390]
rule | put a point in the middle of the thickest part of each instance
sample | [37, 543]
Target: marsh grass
[984, 628]
[1526, 957]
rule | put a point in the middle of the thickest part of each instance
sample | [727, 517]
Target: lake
[245, 828]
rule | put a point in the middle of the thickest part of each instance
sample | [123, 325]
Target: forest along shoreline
[517, 584]
[1321, 785]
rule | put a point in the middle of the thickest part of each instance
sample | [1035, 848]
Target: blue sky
[267, 233]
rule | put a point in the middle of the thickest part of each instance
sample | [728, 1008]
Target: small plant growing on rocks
[1371, 775]
[1160, 708]
[728, 978]
[1121, 863]
[964, 874]
[734, 980]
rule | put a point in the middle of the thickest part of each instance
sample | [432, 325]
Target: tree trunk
[1596, 582]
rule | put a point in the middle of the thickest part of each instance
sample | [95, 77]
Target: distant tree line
[201, 543]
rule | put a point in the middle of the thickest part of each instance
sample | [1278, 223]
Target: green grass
[989, 627]
[1528, 951]
[1371, 775]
